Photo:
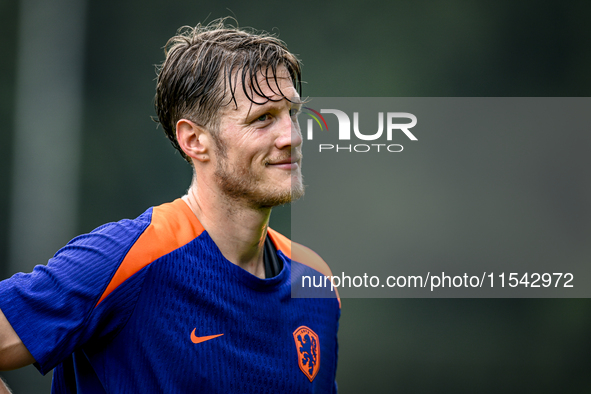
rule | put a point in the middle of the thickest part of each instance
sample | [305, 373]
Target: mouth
[288, 163]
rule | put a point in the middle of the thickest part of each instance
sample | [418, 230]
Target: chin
[279, 197]
[258, 191]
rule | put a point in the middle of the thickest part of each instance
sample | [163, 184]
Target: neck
[239, 231]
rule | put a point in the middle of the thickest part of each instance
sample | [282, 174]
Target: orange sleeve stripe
[173, 225]
[301, 254]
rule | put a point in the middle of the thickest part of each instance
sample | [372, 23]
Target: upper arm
[13, 353]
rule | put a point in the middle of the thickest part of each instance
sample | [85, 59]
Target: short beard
[245, 186]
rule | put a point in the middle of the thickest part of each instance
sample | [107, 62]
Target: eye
[262, 118]
[295, 110]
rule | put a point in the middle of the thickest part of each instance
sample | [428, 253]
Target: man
[194, 295]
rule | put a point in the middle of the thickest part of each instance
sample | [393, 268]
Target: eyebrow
[254, 107]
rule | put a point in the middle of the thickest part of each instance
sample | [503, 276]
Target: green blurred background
[349, 48]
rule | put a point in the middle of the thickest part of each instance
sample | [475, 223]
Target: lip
[290, 163]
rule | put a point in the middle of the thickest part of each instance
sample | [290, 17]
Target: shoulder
[305, 256]
[299, 253]
[169, 227]
[156, 232]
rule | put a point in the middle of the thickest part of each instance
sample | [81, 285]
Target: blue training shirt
[152, 306]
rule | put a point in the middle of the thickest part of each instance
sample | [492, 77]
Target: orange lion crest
[308, 348]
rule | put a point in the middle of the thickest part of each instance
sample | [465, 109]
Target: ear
[193, 139]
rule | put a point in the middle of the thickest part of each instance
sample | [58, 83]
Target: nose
[289, 133]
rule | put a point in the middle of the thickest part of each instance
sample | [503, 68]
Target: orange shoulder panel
[301, 254]
[173, 225]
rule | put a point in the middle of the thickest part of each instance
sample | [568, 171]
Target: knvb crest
[308, 348]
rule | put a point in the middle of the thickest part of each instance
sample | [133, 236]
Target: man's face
[260, 161]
